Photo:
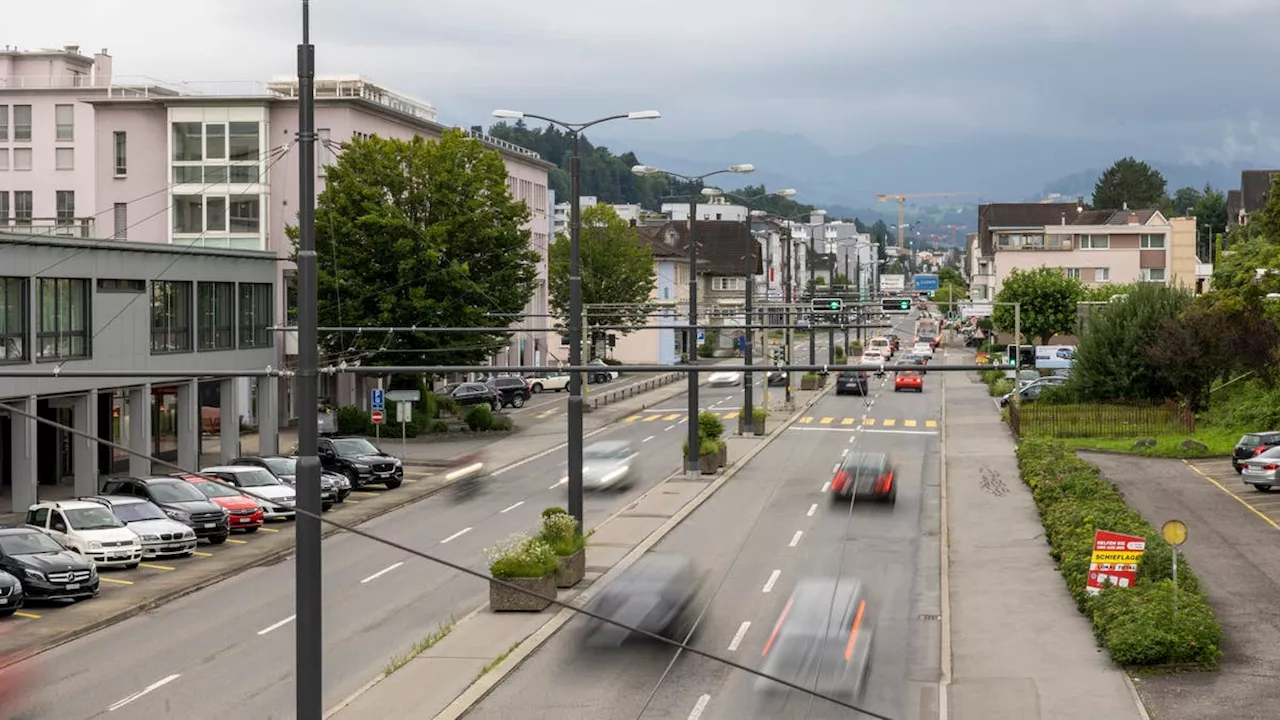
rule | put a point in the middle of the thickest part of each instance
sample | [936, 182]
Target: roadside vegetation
[421, 646]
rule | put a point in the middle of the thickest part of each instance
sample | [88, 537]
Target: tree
[948, 275]
[420, 233]
[1185, 200]
[771, 204]
[1130, 182]
[1255, 245]
[617, 270]
[949, 296]
[1047, 300]
[1113, 358]
[1211, 211]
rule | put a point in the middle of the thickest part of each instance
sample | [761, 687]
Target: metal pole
[691, 463]
[748, 401]
[786, 313]
[575, 337]
[813, 289]
[308, 572]
[1175, 582]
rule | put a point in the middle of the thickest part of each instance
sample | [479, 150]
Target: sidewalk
[1020, 650]
[457, 671]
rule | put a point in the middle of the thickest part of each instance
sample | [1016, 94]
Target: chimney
[1133, 218]
[102, 67]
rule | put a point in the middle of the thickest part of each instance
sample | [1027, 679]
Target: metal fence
[1126, 420]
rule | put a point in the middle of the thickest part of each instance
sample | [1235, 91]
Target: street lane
[770, 526]
[238, 634]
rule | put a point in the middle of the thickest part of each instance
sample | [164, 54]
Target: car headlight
[93, 570]
[361, 467]
[150, 538]
[34, 574]
[95, 545]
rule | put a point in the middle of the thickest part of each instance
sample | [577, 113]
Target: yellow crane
[903, 198]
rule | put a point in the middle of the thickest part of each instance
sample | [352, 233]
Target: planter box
[759, 426]
[722, 456]
[504, 599]
[708, 464]
[572, 569]
[808, 383]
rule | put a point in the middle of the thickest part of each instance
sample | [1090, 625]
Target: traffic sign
[827, 305]
[377, 399]
[404, 412]
[896, 305]
[377, 417]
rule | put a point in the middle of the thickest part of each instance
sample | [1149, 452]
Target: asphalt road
[228, 650]
[772, 525]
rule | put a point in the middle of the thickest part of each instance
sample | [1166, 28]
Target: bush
[502, 423]
[706, 446]
[560, 530]
[446, 404]
[759, 414]
[479, 417]
[430, 405]
[710, 425]
[1136, 624]
[354, 421]
[437, 426]
[521, 556]
[706, 350]
[554, 511]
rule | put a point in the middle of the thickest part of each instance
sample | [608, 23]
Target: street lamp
[575, 292]
[691, 342]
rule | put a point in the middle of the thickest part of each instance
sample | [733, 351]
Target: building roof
[724, 247]
[1027, 215]
[1255, 186]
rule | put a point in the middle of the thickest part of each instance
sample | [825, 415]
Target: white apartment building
[632, 213]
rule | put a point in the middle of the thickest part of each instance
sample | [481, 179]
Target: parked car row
[1257, 458]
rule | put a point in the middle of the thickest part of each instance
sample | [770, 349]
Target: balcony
[49, 227]
[1026, 241]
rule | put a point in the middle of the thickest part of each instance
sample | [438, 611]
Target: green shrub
[1136, 625]
[710, 425]
[809, 376]
[430, 405]
[521, 556]
[561, 531]
[479, 417]
[1003, 386]
[759, 414]
[437, 426]
[501, 422]
[706, 446]
[354, 421]
[446, 404]
[706, 349]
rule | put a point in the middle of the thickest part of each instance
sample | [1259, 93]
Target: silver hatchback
[609, 465]
[1261, 471]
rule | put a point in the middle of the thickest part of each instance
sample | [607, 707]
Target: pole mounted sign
[377, 399]
[378, 417]
[827, 305]
[1114, 561]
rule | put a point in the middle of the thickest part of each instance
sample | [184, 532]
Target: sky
[851, 75]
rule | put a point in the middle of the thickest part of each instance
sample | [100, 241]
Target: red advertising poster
[1115, 560]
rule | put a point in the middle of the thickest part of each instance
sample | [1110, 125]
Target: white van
[881, 345]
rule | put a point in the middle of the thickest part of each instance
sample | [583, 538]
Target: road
[761, 533]
[228, 650]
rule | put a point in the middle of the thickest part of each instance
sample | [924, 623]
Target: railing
[1116, 420]
[508, 146]
[49, 227]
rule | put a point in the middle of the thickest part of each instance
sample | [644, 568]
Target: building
[1255, 189]
[719, 208]
[631, 213]
[174, 313]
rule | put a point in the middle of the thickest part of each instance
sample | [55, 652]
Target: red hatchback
[245, 513]
[908, 380]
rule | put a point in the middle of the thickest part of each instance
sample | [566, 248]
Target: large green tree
[949, 296]
[418, 233]
[948, 275]
[1130, 181]
[1113, 359]
[617, 270]
[1046, 300]
[1253, 246]
[1211, 211]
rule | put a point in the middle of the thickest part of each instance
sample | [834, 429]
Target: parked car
[362, 462]
[601, 373]
[1261, 470]
[1031, 389]
[161, 537]
[865, 476]
[89, 529]
[179, 501]
[851, 382]
[278, 500]
[470, 393]
[1252, 444]
[555, 381]
[48, 571]
[12, 597]
[512, 391]
[334, 488]
[244, 513]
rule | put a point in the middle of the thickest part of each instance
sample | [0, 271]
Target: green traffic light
[904, 304]
[834, 305]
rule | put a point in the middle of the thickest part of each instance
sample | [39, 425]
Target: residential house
[1255, 188]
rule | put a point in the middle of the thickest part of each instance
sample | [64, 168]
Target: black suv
[851, 382]
[361, 462]
[514, 390]
[47, 570]
[180, 500]
[474, 393]
[1253, 444]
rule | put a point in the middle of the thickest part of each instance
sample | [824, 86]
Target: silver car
[160, 536]
[609, 465]
[823, 640]
[1260, 471]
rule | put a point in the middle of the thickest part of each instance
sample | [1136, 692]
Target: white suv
[89, 529]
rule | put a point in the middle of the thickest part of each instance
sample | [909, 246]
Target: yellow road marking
[847, 421]
[202, 554]
[115, 581]
[931, 423]
[672, 416]
[653, 417]
[366, 493]
[826, 421]
[27, 615]
[410, 480]
[730, 416]
[352, 502]
[267, 529]
[633, 418]
[868, 421]
[157, 567]
[542, 415]
[909, 423]
[806, 420]
[238, 542]
[1239, 499]
[890, 422]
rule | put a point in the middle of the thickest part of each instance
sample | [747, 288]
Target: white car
[278, 500]
[922, 348]
[161, 537]
[551, 382]
[89, 529]
[871, 358]
[725, 379]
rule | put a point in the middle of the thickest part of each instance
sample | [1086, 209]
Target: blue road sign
[926, 283]
[377, 399]
[702, 335]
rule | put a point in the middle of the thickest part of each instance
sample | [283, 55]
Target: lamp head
[508, 114]
[644, 115]
[742, 169]
[644, 170]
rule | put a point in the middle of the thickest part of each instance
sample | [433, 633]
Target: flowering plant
[521, 556]
[562, 533]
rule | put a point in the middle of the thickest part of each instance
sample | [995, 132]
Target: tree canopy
[948, 275]
[1130, 181]
[1252, 246]
[617, 269]
[1113, 359]
[1047, 299]
[418, 233]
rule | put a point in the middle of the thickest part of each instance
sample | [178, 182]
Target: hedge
[1136, 625]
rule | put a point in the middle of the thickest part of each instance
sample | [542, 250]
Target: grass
[423, 645]
[1219, 442]
[497, 661]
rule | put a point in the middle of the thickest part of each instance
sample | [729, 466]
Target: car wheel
[1262, 488]
[353, 477]
[251, 530]
[218, 539]
[393, 484]
[7, 612]
[517, 401]
[536, 388]
[326, 507]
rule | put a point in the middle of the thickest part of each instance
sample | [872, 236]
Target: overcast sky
[850, 74]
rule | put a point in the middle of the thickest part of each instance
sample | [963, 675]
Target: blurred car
[600, 372]
[921, 361]
[244, 513]
[1251, 445]
[865, 476]
[161, 537]
[777, 378]
[908, 380]
[923, 349]
[48, 571]
[609, 465]
[822, 640]
[725, 379]
[11, 596]
[1261, 470]
[654, 595]
[851, 382]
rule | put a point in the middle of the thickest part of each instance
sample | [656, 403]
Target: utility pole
[748, 402]
[575, 406]
[786, 306]
[811, 258]
[691, 459]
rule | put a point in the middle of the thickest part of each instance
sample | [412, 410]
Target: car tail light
[774, 635]
[842, 480]
[1272, 466]
[853, 634]
[885, 482]
[1259, 450]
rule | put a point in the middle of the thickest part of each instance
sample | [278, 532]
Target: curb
[1137, 699]
[944, 568]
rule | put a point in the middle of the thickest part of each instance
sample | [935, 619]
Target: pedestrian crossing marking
[672, 416]
[651, 418]
[730, 416]
[806, 420]
[827, 421]
[909, 423]
[931, 423]
[633, 418]
[890, 422]
[847, 421]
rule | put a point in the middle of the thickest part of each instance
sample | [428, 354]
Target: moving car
[334, 488]
[725, 379]
[865, 476]
[777, 378]
[278, 500]
[244, 512]
[179, 501]
[11, 596]
[908, 380]
[851, 382]
[552, 381]
[89, 529]
[922, 361]
[883, 345]
[922, 349]
[1261, 470]
[1252, 444]
[161, 537]
[601, 372]
[654, 595]
[47, 570]
[822, 640]
[609, 465]
[362, 462]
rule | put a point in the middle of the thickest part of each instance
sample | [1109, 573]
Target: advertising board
[1054, 357]
[1115, 560]
[893, 283]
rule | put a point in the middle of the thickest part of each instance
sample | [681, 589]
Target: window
[243, 142]
[1151, 242]
[244, 214]
[727, 284]
[291, 297]
[215, 141]
[170, 316]
[4, 208]
[22, 123]
[256, 315]
[188, 214]
[4, 159]
[22, 158]
[64, 159]
[121, 221]
[1153, 275]
[22, 207]
[1095, 242]
[64, 117]
[215, 214]
[66, 207]
[1072, 273]
[121, 153]
[4, 122]
[1102, 275]
[324, 149]
[187, 140]
[115, 285]
[64, 319]
[216, 306]
[13, 319]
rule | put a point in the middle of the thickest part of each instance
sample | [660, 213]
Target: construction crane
[903, 198]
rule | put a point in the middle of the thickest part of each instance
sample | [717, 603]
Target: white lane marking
[456, 535]
[812, 509]
[278, 625]
[737, 637]
[699, 706]
[826, 486]
[380, 573]
[844, 452]
[562, 481]
[773, 578]
[150, 688]
[669, 428]
[648, 439]
[795, 539]
[513, 507]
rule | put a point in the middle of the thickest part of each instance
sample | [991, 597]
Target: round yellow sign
[1174, 532]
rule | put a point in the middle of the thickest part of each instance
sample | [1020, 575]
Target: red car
[245, 513]
[908, 380]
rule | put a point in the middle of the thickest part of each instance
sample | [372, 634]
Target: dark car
[11, 595]
[777, 378]
[851, 382]
[180, 501]
[286, 471]
[654, 595]
[474, 393]
[917, 359]
[514, 391]
[47, 570]
[362, 462]
[1251, 445]
[822, 640]
[865, 476]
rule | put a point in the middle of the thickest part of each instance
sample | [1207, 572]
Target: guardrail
[611, 396]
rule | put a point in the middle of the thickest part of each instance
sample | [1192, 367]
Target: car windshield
[215, 490]
[255, 477]
[602, 453]
[137, 511]
[30, 543]
[94, 518]
[354, 446]
[283, 466]
[176, 491]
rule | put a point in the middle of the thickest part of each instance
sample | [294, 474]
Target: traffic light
[896, 305]
[827, 305]
[904, 304]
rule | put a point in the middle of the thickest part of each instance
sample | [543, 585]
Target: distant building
[1255, 189]
[632, 213]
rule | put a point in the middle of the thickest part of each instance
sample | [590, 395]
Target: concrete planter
[573, 568]
[822, 381]
[722, 455]
[808, 383]
[504, 599]
[708, 464]
[758, 426]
